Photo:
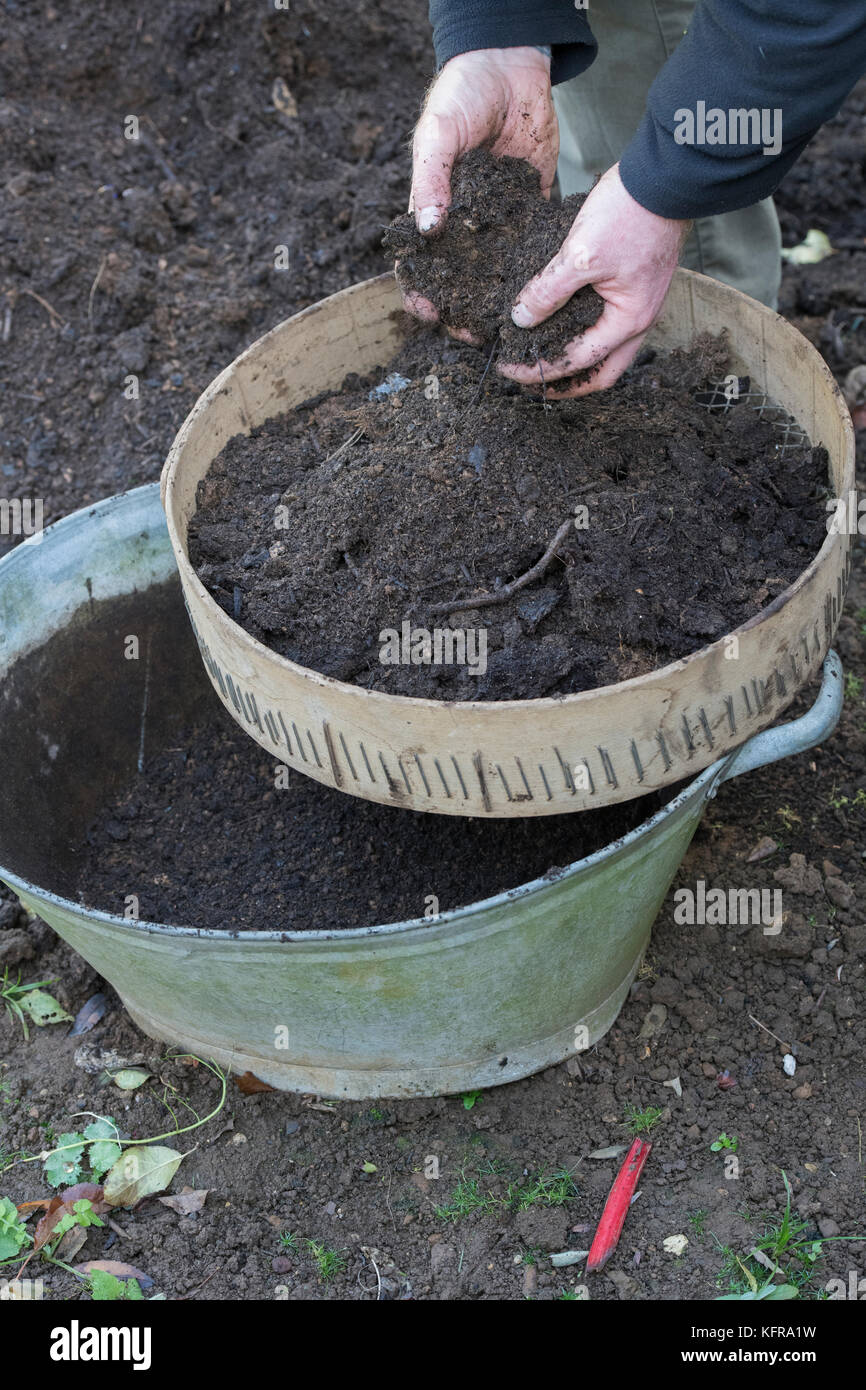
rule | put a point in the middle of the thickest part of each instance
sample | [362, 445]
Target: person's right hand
[496, 97]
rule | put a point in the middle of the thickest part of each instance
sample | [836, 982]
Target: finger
[616, 326]
[553, 286]
[610, 370]
[463, 335]
[419, 307]
[434, 149]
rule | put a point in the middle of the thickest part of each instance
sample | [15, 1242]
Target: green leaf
[13, 1234]
[775, 1293]
[104, 1150]
[130, 1078]
[82, 1214]
[369, 1168]
[105, 1287]
[138, 1173]
[42, 1008]
[814, 247]
[63, 1164]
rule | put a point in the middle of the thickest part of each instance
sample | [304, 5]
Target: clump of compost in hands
[499, 232]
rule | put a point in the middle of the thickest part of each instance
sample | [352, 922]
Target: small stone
[15, 946]
[477, 457]
[542, 1228]
[281, 1265]
[666, 991]
[654, 1021]
[830, 870]
[799, 877]
[709, 1070]
[21, 183]
[828, 1227]
[803, 1092]
[675, 1245]
[625, 1286]
[763, 849]
[839, 892]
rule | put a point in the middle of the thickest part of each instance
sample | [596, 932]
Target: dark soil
[499, 233]
[157, 255]
[325, 183]
[692, 521]
[827, 186]
[206, 839]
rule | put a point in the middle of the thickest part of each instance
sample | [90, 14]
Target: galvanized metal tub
[483, 995]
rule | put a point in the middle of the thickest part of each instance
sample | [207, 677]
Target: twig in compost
[182, 1298]
[56, 318]
[93, 288]
[770, 1031]
[484, 374]
[369, 1254]
[508, 590]
[338, 455]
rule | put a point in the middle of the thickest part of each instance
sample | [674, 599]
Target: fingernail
[428, 218]
[521, 316]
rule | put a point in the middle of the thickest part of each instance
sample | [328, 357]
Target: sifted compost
[204, 837]
[498, 234]
[578, 542]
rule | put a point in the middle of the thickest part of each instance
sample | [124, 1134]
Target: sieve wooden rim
[514, 757]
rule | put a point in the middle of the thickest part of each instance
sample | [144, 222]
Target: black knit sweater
[697, 151]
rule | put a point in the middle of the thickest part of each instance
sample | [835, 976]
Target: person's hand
[496, 97]
[629, 256]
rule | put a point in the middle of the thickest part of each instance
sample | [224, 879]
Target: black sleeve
[791, 62]
[460, 26]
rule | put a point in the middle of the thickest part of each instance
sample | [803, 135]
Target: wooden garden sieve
[515, 757]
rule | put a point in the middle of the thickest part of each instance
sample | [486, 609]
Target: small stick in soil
[770, 1031]
[56, 319]
[616, 1207]
[484, 373]
[508, 590]
[93, 288]
[339, 453]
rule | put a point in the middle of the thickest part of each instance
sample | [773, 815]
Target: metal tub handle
[800, 734]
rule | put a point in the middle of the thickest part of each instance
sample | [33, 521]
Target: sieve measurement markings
[757, 697]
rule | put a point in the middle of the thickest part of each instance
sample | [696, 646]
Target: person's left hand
[629, 256]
